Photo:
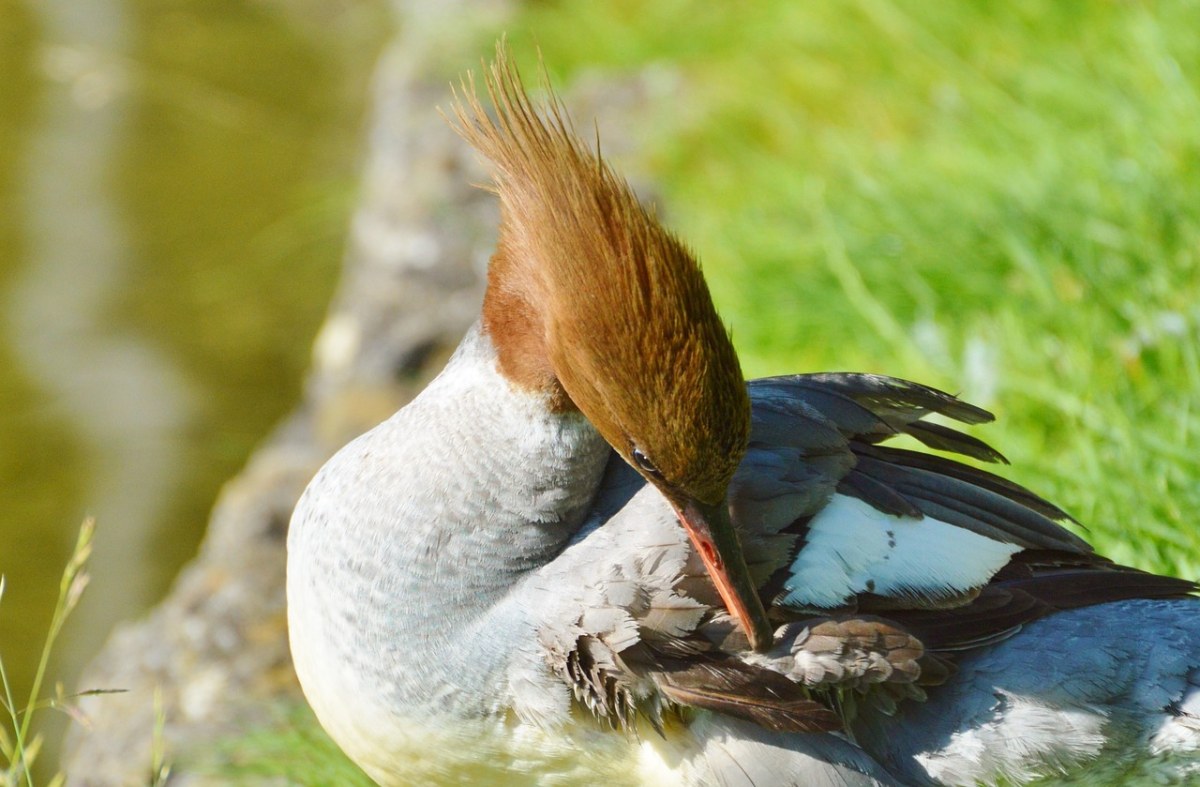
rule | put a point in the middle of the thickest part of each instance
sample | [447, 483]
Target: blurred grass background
[1000, 199]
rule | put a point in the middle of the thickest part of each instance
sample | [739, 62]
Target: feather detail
[894, 401]
[757, 695]
[965, 473]
[851, 652]
[852, 547]
[988, 512]
[671, 616]
[599, 684]
[943, 438]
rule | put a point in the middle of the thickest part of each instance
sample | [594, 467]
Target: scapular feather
[757, 695]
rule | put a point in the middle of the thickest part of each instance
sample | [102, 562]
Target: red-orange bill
[713, 535]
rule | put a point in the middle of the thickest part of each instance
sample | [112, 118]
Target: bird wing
[879, 523]
[901, 532]
[880, 564]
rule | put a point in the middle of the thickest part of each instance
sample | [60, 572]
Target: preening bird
[591, 551]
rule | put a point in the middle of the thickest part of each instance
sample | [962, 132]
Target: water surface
[174, 184]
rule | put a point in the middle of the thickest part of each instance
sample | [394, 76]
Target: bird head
[592, 303]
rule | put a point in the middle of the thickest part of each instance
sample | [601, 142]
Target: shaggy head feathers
[593, 303]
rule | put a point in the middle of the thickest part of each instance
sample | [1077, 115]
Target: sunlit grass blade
[160, 768]
[19, 749]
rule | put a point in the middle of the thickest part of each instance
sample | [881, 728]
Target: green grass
[294, 750]
[996, 198]
[1001, 199]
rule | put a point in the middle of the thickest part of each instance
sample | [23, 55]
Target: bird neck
[473, 486]
[501, 477]
[516, 328]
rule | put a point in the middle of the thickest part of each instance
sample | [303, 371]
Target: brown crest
[593, 303]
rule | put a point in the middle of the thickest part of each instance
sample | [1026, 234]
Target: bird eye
[645, 464]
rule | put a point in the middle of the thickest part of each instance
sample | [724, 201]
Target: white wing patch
[853, 547]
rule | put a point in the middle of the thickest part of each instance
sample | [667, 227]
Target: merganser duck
[551, 566]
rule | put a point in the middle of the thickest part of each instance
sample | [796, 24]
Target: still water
[175, 179]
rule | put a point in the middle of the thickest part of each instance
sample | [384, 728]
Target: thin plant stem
[70, 588]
